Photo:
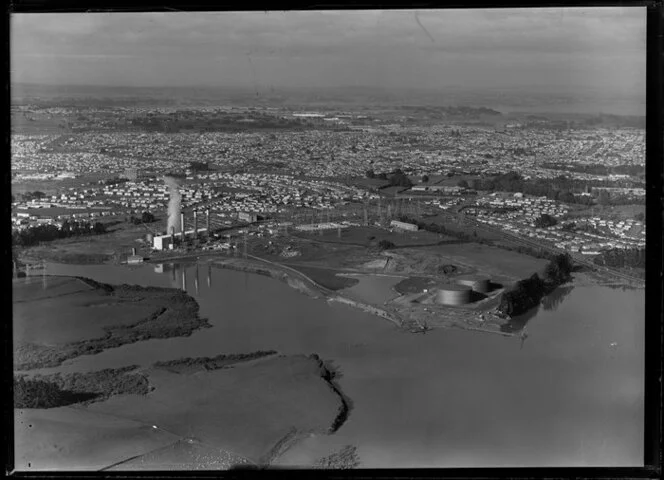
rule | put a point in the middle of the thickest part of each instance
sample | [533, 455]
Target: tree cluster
[146, 217]
[27, 196]
[527, 293]
[621, 258]
[400, 179]
[560, 188]
[545, 220]
[45, 233]
[385, 245]
[35, 393]
[199, 166]
[558, 270]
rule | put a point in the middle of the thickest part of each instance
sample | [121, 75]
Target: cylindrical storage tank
[479, 283]
[453, 295]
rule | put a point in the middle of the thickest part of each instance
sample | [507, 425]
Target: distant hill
[532, 100]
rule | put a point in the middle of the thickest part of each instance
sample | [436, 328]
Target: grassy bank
[51, 391]
[190, 365]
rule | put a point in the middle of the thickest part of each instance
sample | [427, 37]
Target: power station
[166, 241]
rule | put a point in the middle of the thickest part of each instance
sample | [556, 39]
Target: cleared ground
[371, 236]
[106, 248]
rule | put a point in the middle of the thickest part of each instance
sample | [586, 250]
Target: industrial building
[166, 242]
[479, 283]
[162, 242]
[404, 226]
[453, 295]
[247, 217]
[314, 227]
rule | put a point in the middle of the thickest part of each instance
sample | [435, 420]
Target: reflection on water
[549, 303]
[180, 271]
[553, 300]
[450, 398]
[518, 323]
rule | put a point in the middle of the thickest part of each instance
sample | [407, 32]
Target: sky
[552, 48]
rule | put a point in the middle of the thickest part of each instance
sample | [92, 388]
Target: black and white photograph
[328, 239]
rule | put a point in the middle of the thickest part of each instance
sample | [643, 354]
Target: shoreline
[96, 388]
[168, 313]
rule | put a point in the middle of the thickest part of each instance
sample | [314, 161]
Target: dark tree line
[35, 393]
[46, 233]
[396, 179]
[528, 293]
[561, 188]
[598, 169]
[146, 217]
[621, 258]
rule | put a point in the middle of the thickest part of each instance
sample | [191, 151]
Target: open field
[68, 320]
[105, 248]
[371, 236]
[467, 258]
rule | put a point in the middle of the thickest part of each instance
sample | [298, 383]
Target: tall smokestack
[182, 225]
[207, 214]
[195, 223]
[174, 203]
[196, 279]
[172, 236]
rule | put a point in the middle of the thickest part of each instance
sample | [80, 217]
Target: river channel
[570, 394]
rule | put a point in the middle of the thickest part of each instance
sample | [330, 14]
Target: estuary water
[570, 394]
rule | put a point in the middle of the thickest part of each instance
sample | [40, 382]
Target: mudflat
[249, 410]
[213, 413]
[73, 438]
[58, 318]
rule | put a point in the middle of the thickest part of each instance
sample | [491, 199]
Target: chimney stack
[182, 225]
[172, 235]
[195, 223]
[207, 213]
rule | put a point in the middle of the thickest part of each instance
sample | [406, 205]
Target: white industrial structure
[404, 226]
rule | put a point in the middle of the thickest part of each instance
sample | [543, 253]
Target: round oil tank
[479, 283]
[453, 295]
